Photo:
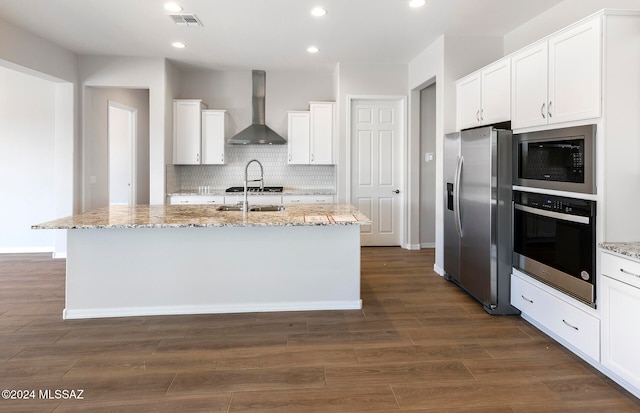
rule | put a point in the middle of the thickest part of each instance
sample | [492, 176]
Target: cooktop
[255, 189]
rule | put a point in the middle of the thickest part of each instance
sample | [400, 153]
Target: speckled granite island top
[181, 216]
[628, 249]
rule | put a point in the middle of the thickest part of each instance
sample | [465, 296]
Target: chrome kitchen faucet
[245, 203]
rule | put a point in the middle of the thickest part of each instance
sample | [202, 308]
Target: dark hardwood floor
[420, 344]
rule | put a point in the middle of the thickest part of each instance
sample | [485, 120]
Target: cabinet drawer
[307, 199]
[566, 321]
[196, 199]
[620, 269]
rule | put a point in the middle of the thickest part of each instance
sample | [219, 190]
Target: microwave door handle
[552, 214]
[458, 217]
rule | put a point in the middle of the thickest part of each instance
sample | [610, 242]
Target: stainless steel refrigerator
[478, 215]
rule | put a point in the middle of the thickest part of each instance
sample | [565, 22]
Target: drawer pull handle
[629, 272]
[526, 299]
[574, 327]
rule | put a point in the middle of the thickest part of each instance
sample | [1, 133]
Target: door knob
[397, 191]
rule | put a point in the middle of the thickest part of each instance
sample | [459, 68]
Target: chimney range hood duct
[258, 133]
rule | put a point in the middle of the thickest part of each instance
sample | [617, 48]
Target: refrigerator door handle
[458, 217]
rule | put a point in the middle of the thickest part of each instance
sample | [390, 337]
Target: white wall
[26, 53]
[443, 62]
[137, 73]
[357, 79]
[97, 145]
[231, 90]
[27, 142]
[558, 17]
[34, 53]
[427, 169]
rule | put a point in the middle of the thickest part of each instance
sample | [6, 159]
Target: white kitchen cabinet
[196, 199]
[307, 199]
[559, 79]
[484, 97]
[311, 134]
[187, 131]
[299, 137]
[254, 199]
[620, 304]
[322, 125]
[558, 317]
[213, 137]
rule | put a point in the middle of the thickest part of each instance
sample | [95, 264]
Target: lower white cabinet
[620, 298]
[196, 199]
[561, 318]
[253, 199]
[307, 199]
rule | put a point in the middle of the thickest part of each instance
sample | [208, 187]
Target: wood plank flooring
[419, 344]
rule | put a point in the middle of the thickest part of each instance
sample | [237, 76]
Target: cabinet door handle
[526, 299]
[622, 270]
[549, 109]
[289, 157]
[481, 115]
[542, 110]
[572, 326]
[478, 115]
[222, 158]
[311, 157]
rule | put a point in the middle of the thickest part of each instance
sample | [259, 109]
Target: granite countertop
[285, 191]
[181, 216]
[628, 249]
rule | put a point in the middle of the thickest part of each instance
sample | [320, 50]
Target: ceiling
[266, 34]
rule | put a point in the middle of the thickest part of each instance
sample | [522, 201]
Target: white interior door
[376, 173]
[121, 136]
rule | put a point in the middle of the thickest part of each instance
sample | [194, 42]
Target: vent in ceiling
[186, 20]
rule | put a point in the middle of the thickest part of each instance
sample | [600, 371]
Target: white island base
[117, 272]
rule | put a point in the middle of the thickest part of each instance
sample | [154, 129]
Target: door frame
[402, 99]
[133, 149]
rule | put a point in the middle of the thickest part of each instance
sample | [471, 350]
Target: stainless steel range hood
[258, 133]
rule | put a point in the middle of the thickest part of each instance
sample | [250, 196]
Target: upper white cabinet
[213, 137]
[198, 134]
[311, 134]
[558, 79]
[299, 133]
[484, 97]
[186, 131]
[321, 133]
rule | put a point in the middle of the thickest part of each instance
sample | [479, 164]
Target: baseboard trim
[71, 314]
[27, 250]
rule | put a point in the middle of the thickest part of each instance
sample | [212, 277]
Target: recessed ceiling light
[417, 3]
[312, 49]
[318, 11]
[178, 45]
[173, 7]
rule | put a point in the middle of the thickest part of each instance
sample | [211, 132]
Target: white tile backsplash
[277, 172]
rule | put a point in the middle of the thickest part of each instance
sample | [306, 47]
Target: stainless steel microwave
[558, 159]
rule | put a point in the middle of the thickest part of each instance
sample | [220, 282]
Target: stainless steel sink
[256, 208]
[229, 208]
[267, 208]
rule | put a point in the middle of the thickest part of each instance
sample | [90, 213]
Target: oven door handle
[552, 214]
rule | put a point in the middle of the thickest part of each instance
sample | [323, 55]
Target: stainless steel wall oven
[554, 242]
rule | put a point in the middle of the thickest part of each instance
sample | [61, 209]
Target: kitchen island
[190, 259]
